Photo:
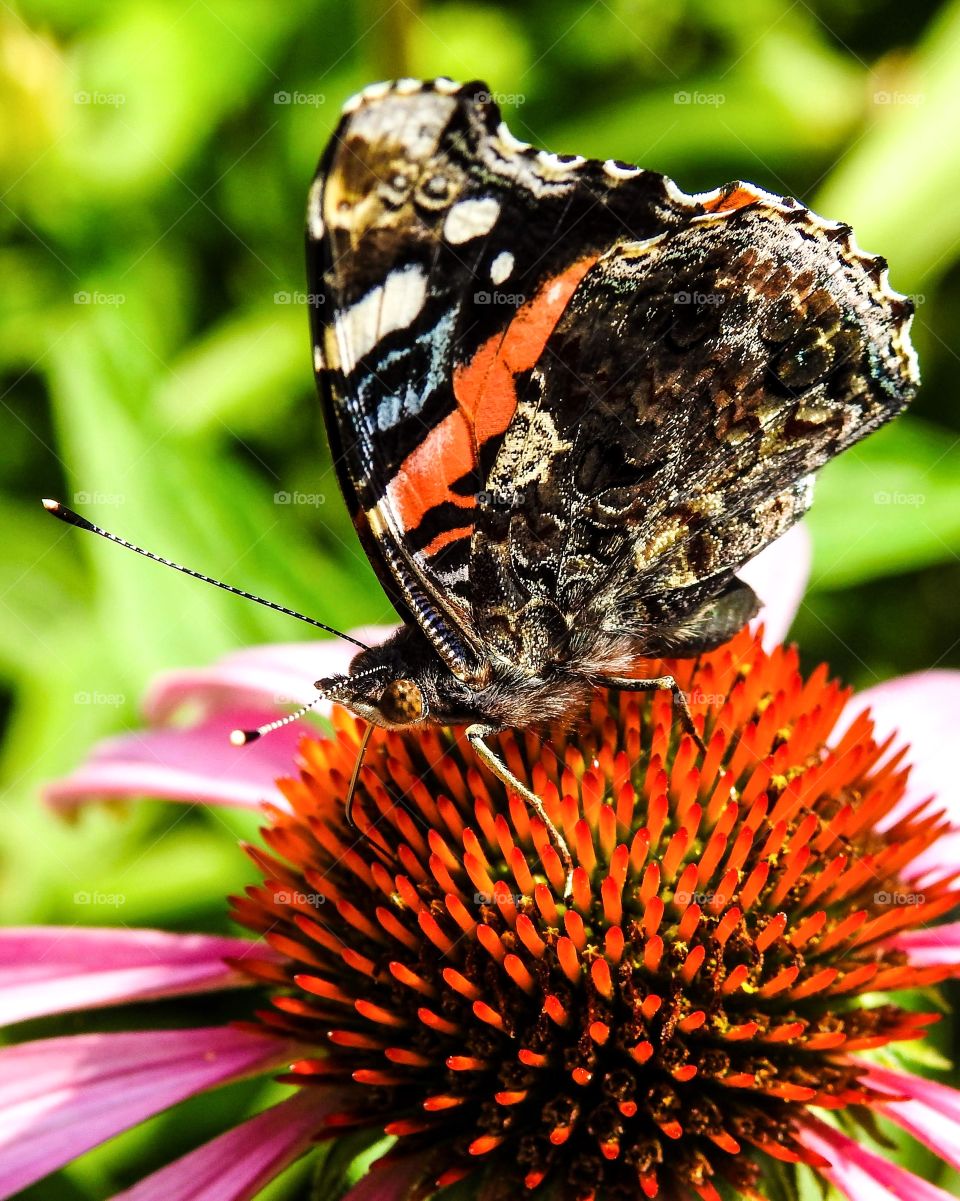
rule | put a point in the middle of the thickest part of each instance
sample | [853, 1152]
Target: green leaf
[890, 504]
[884, 186]
[243, 374]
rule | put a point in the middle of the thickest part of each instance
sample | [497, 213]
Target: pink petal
[779, 577]
[930, 946]
[197, 764]
[922, 708]
[860, 1174]
[940, 859]
[931, 1116]
[278, 674]
[55, 969]
[237, 1165]
[61, 1096]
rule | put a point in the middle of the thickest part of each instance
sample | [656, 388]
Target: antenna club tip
[242, 737]
[60, 510]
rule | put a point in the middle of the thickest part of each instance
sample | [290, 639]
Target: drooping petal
[61, 1096]
[930, 945]
[237, 1165]
[196, 764]
[278, 674]
[388, 1179]
[860, 1174]
[931, 1115]
[54, 969]
[778, 575]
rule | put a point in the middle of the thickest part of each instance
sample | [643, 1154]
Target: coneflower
[715, 996]
[670, 1024]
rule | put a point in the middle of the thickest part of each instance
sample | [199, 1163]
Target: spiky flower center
[666, 1025]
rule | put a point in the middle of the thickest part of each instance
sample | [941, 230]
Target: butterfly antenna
[71, 518]
[244, 737]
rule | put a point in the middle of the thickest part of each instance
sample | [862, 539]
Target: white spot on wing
[389, 412]
[315, 210]
[376, 91]
[391, 306]
[318, 363]
[554, 164]
[470, 218]
[501, 267]
[618, 171]
[509, 141]
[555, 291]
[674, 193]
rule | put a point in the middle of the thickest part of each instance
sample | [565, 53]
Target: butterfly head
[380, 691]
[403, 682]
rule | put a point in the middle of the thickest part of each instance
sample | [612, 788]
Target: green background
[152, 187]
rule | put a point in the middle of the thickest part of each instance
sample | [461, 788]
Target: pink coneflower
[709, 1005]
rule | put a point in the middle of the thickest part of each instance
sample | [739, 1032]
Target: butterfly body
[567, 401]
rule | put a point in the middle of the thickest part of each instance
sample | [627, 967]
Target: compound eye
[402, 703]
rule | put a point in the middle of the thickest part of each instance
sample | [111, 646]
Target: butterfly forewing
[445, 252]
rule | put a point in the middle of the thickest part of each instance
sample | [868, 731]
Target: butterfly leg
[352, 788]
[665, 684]
[476, 735]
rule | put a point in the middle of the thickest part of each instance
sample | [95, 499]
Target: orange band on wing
[445, 537]
[486, 396]
[737, 198]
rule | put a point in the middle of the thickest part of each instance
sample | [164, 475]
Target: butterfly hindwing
[670, 429]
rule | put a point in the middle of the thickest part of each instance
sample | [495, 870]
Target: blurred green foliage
[154, 161]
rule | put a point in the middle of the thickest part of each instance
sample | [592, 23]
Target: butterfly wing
[442, 253]
[671, 426]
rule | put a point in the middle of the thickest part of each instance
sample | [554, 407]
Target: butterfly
[567, 402]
